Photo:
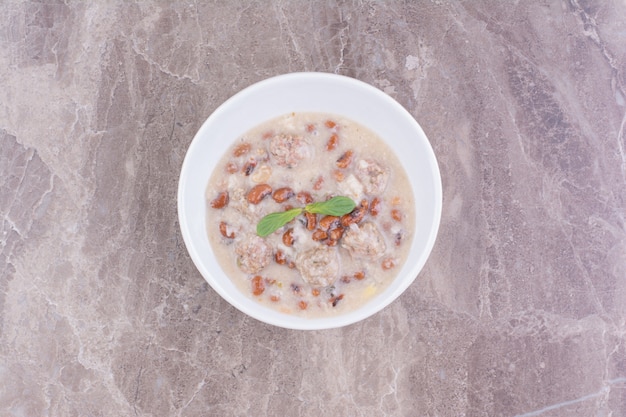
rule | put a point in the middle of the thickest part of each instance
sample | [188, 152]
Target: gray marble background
[520, 310]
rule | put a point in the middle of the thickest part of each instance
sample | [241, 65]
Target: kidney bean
[332, 142]
[396, 215]
[330, 242]
[304, 197]
[220, 201]
[283, 194]
[288, 237]
[334, 300]
[248, 167]
[345, 160]
[388, 263]
[311, 220]
[231, 168]
[318, 183]
[327, 221]
[258, 286]
[336, 233]
[241, 149]
[375, 207]
[224, 231]
[359, 275]
[319, 234]
[258, 193]
[354, 217]
[280, 257]
[397, 239]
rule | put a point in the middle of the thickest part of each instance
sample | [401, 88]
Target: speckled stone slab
[520, 310]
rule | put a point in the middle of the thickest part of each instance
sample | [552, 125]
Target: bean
[332, 142]
[318, 183]
[388, 263]
[304, 197]
[288, 237]
[283, 194]
[330, 242]
[303, 305]
[345, 160]
[375, 207]
[311, 220]
[242, 149]
[355, 216]
[249, 166]
[396, 215]
[220, 201]
[280, 258]
[231, 168]
[327, 221]
[319, 234]
[224, 231]
[258, 286]
[336, 299]
[336, 233]
[359, 275]
[398, 238]
[258, 193]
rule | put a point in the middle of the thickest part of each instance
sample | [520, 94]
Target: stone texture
[520, 311]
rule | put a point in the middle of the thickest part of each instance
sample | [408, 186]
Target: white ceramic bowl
[314, 92]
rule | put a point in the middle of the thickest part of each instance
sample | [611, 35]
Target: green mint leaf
[336, 206]
[274, 221]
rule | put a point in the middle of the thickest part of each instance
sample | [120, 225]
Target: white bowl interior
[313, 92]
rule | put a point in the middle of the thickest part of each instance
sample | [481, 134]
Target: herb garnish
[336, 206]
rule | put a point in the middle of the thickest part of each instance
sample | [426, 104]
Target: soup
[315, 265]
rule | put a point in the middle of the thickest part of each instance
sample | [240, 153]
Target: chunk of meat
[289, 150]
[372, 175]
[318, 266]
[351, 187]
[364, 241]
[253, 254]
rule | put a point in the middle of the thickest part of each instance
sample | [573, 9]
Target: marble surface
[520, 310]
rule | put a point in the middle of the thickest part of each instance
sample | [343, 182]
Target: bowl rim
[290, 321]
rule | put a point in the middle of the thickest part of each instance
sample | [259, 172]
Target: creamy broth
[306, 268]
